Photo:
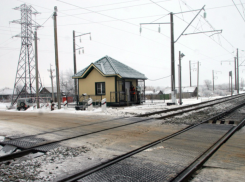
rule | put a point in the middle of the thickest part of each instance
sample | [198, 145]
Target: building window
[100, 88]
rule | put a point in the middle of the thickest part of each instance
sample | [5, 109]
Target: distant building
[47, 92]
[152, 92]
[6, 94]
[187, 92]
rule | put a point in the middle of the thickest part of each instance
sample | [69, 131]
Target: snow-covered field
[148, 106]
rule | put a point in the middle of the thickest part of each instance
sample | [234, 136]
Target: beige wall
[87, 85]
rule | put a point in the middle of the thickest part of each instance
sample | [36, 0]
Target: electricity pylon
[25, 78]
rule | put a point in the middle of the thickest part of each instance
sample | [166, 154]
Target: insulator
[159, 29]
[80, 39]
[204, 14]
[140, 29]
[79, 52]
[90, 37]
[83, 51]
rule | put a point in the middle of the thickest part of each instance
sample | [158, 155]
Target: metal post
[180, 96]
[172, 56]
[213, 79]
[190, 71]
[52, 85]
[231, 82]
[197, 78]
[56, 57]
[74, 60]
[237, 72]
[36, 64]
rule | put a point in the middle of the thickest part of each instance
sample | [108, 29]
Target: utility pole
[52, 85]
[74, 60]
[172, 59]
[190, 71]
[173, 91]
[230, 75]
[213, 79]
[197, 78]
[56, 57]
[229, 83]
[237, 72]
[36, 64]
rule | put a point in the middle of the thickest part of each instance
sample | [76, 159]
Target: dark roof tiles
[110, 66]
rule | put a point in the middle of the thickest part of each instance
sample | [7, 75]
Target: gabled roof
[184, 89]
[49, 89]
[6, 91]
[108, 66]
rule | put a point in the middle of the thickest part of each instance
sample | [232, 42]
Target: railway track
[172, 158]
[33, 143]
[200, 106]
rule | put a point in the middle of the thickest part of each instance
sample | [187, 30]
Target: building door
[127, 90]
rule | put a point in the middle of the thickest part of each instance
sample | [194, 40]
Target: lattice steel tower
[24, 85]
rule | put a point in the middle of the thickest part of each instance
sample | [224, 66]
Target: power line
[107, 25]
[242, 7]
[211, 28]
[187, 23]
[181, 9]
[238, 11]
[159, 78]
[159, 6]
[92, 22]
[104, 5]
[190, 8]
[47, 19]
[115, 8]
[124, 22]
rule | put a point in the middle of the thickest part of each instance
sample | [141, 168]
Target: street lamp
[181, 55]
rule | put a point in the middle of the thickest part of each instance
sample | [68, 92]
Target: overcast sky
[114, 25]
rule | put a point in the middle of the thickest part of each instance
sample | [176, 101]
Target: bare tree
[149, 88]
[158, 88]
[66, 82]
[208, 84]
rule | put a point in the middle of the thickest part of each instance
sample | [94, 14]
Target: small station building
[113, 80]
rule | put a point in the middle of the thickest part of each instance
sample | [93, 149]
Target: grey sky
[114, 25]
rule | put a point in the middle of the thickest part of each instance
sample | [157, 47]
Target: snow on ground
[148, 106]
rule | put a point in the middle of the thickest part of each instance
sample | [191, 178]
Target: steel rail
[188, 110]
[91, 170]
[192, 105]
[198, 163]
[32, 149]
